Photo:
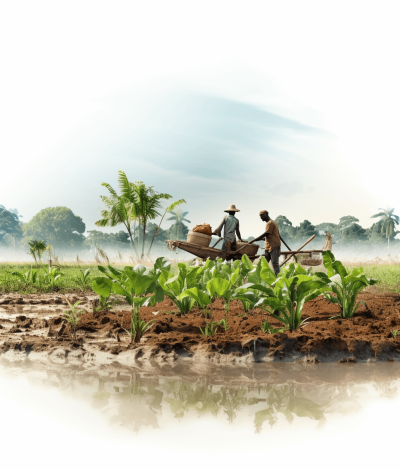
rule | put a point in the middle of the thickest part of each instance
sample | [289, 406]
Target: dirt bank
[33, 325]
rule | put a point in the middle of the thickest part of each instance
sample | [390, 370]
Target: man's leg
[225, 248]
[275, 254]
[267, 256]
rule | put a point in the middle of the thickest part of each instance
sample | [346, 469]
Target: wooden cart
[204, 252]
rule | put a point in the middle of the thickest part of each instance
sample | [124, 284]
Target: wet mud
[34, 326]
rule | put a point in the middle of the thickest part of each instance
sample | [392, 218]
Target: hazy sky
[289, 106]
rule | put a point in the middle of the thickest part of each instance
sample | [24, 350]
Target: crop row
[283, 297]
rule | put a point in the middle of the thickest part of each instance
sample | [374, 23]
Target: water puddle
[247, 409]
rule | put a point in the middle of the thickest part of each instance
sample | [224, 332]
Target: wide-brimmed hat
[232, 208]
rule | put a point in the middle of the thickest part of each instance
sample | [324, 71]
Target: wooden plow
[306, 257]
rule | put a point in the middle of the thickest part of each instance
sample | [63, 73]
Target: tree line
[135, 207]
[348, 230]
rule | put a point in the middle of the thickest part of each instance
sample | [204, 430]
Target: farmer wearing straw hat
[272, 241]
[231, 227]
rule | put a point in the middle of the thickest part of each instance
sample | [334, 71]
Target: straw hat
[232, 208]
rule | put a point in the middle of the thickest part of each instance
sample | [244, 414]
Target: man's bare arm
[260, 237]
[218, 230]
[238, 233]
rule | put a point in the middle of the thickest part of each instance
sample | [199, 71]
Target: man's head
[264, 216]
[231, 209]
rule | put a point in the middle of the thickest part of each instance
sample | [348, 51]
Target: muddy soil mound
[34, 324]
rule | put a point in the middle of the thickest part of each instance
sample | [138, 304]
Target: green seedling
[224, 323]
[395, 333]
[210, 328]
[138, 326]
[29, 277]
[346, 284]
[73, 315]
[267, 328]
[105, 304]
[83, 279]
[51, 278]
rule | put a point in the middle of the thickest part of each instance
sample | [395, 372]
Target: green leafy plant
[174, 287]
[395, 333]
[73, 315]
[346, 284]
[210, 328]
[29, 277]
[138, 326]
[134, 284]
[267, 328]
[289, 293]
[105, 304]
[83, 279]
[50, 279]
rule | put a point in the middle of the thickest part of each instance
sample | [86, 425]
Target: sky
[286, 106]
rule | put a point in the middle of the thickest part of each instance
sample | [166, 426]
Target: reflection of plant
[286, 400]
[138, 405]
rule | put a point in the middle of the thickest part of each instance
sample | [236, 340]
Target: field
[387, 275]
[58, 314]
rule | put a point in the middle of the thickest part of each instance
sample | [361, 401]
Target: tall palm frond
[389, 221]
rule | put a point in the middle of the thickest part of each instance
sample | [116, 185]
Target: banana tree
[345, 284]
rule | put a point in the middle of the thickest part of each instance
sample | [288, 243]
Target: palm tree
[168, 209]
[145, 201]
[120, 210]
[137, 204]
[389, 221]
[179, 218]
[36, 249]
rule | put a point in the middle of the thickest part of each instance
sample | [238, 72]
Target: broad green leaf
[102, 286]
[305, 289]
[141, 284]
[247, 265]
[162, 263]
[202, 298]
[234, 277]
[115, 272]
[266, 273]
[339, 268]
[140, 269]
[217, 287]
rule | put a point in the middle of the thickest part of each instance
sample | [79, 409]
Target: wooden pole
[288, 258]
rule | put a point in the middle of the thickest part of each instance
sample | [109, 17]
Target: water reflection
[284, 393]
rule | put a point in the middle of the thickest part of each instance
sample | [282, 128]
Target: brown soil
[34, 325]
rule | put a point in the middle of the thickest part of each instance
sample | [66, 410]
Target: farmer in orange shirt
[272, 241]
